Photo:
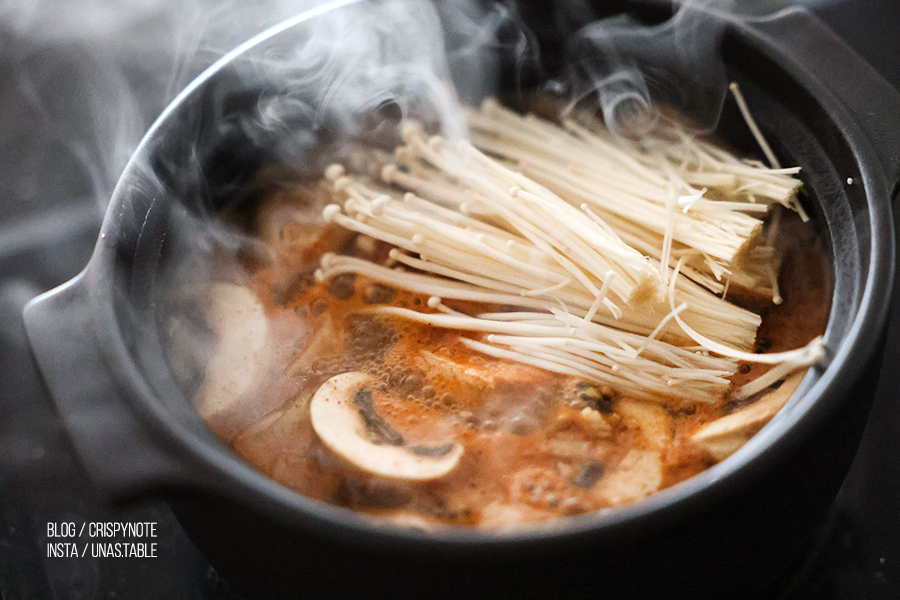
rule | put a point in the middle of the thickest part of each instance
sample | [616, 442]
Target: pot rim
[226, 473]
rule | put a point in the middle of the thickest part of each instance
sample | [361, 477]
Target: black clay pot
[726, 533]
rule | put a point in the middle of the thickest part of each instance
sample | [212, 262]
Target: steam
[304, 93]
[127, 59]
[99, 72]
[633, 67]
[389, 60]
[352, 67]
[313, 85]
[629, 68]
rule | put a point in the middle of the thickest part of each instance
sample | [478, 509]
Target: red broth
[537, 445]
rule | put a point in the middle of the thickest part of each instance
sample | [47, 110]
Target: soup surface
[331, 396]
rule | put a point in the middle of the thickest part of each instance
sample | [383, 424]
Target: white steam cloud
[100, 71]
[123, 61]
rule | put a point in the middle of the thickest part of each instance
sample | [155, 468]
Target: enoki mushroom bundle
[617, 254]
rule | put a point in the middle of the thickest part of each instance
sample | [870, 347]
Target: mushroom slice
[342, 416]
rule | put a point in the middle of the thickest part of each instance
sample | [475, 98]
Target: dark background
[55, 171]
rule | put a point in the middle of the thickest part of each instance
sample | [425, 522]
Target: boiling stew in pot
[539, 322]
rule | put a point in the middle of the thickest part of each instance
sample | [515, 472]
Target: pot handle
[823, 55]
[122, 459]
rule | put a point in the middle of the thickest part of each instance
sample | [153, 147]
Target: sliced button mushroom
[344, 419]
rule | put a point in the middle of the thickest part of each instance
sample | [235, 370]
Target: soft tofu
[244, 378]
[652, 420]
[638, 475]
[240, 360]
[474, 384]
[724, 436]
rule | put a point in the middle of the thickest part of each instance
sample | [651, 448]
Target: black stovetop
[49, 220]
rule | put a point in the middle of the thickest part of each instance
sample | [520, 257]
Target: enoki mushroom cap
[337, 420]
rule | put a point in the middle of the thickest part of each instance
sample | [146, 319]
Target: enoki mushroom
[617, 254]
